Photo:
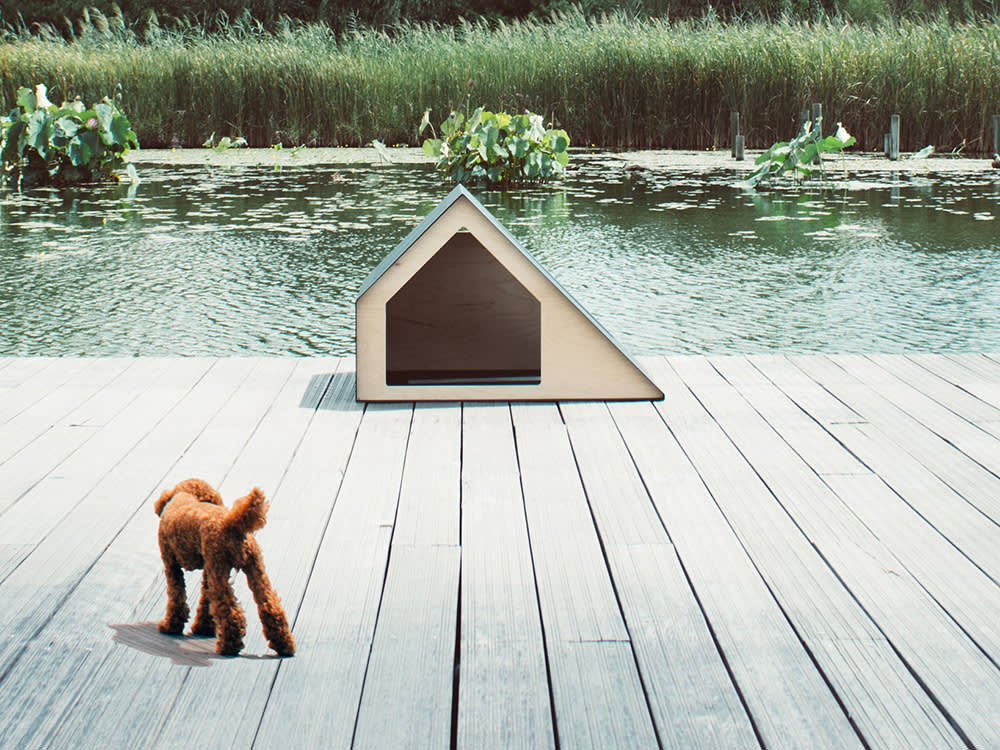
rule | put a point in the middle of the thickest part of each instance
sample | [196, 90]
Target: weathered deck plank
[598, 696]
[53, 399]
[986, 364]
[28, 380]
[981, 386]
[34, 591]
[794, 551]
[37, 459]
[430, 504]
[941, 456]
[948, 395]
[832, 628]
[407, 697]
[135, 711]
[575, 589]
[265, 453]
[934, 500]
[503, 692]
[921, 406]
[691, 696]
[336, 621]
[963, 590]
[888, 703]
[786, 698]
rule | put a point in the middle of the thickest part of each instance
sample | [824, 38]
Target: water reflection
[198, 260]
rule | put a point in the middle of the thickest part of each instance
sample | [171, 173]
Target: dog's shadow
[182, 650]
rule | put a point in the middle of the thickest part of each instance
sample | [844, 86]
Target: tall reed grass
[610, 82]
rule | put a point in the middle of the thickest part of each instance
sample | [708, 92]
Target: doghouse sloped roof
[580, 359]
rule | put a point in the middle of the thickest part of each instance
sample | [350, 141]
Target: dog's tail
[197, 487]
[248, 514]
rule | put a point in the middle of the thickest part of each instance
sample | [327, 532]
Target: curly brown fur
[197, 532]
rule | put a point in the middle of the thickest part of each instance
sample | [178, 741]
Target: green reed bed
[612, 82]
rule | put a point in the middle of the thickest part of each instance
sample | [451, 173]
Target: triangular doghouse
[459, 311]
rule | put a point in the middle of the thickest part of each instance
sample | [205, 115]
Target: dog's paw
[168, 627]
[225, 648]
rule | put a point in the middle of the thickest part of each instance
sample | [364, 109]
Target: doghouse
[459, 311]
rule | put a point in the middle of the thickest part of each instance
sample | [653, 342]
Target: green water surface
[233, 261]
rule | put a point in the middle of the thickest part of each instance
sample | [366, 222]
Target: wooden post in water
[817, 118]
[817, 121]
[738, 148]
[894, 137]
[734, 128]
[996, 134]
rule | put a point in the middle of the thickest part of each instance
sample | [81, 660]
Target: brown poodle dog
[198, 532]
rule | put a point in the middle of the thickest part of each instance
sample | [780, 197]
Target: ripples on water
[255, 261]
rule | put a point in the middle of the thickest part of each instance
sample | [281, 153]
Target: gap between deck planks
[485, 575]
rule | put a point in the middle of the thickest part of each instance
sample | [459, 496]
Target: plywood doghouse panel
[460, 311]
[463, 319]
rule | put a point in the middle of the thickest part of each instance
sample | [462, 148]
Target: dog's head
[199, 488]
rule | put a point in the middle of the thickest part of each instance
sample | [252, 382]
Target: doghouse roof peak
[564, 346]
[460, 191]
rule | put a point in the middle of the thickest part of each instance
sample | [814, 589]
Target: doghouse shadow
[336, 393]
[184, 651]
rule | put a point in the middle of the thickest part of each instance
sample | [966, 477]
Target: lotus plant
[42, 143]
[799, 154]
[498, 149]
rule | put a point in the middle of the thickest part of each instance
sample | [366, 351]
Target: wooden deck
[786, 552]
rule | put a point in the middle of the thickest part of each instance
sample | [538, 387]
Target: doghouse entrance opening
[463, 319]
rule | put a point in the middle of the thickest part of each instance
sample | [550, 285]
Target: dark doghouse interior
[463, 319]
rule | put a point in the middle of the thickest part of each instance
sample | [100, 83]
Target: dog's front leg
[272, 615]
[230, 622]
[177, 609]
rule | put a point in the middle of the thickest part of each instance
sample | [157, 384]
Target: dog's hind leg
[177, 609]
[272, 615]
[203, 623]
[230, 622]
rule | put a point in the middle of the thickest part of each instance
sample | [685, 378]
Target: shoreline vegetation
[611, 82]
[849, 165]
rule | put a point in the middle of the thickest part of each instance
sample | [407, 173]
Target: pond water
[223, 261]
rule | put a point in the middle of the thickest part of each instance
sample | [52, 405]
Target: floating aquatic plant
[42, 143]
[497, 148]
[225, 143]
[803, 155]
